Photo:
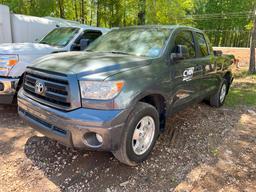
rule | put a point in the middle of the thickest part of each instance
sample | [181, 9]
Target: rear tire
[218, 99]
[139, 135]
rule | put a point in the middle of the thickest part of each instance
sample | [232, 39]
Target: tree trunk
[124, 14]
[252, 68]
[61, 8]
[91, 13]
[112, 15]
[142, 12]
[31, 7]
[75, 6]
[248, 39]
[98, 13]
[82, 12]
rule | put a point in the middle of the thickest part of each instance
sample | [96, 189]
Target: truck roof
[159, 26]
[103, 30]
[69, 23]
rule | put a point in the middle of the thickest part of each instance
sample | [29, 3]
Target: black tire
[15, 98]
[215, 100]
[125, 153]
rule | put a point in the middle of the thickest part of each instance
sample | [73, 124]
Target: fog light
[99, 138]
[93, 139]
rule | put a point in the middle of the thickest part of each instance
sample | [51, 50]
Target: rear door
[185, 73]
[207, 61]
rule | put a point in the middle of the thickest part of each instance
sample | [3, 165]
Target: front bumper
[72, 128]
[8, 88]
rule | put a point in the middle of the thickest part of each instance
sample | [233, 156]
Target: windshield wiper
[120, 52]
[125, 53]
[43, 42]
[114, 52]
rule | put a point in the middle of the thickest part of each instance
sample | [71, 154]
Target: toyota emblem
[40, 87]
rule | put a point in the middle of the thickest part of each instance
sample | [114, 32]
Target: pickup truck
[15, 57]
[116, 95]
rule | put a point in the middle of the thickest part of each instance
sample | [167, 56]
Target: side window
[91, 35]
[185, 38]
[203, 47]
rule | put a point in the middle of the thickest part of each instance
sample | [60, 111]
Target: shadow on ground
[12, 129]
[197, 134]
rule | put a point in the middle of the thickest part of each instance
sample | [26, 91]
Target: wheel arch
[157, 100]
[229, 78]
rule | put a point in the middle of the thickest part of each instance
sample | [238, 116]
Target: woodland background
[227, 22]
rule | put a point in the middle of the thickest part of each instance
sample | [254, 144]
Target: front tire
[218, 99]
[139, 136]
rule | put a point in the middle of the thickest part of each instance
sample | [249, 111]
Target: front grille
[56, 90]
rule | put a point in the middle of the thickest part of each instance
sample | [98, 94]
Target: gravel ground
[202, 149]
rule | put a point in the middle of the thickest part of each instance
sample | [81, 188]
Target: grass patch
[241, 97]
[244, 74]
[243, 90]
[215, 152]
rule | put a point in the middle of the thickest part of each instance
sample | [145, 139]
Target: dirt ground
[242, 54]
[202, 149]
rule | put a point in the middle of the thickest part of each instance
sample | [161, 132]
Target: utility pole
[252, 67]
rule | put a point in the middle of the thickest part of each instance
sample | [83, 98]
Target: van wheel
[218, 99]
[139, 135]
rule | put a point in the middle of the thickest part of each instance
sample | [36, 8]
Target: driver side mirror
[181, 52]
[84, 44]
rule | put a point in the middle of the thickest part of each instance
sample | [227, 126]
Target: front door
[185, 72]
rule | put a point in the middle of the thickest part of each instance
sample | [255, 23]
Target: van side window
[185, 38]
[203, 47]
[91, 35]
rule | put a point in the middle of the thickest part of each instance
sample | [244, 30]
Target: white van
[16, 28]
[15, 57]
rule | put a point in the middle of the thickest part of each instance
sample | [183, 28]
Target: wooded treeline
[227, 22]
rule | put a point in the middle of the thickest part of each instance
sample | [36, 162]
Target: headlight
[100, 90]
[7, 62]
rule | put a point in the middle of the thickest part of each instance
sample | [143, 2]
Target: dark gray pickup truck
[116, 95]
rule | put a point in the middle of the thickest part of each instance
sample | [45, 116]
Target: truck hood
[92, 65]
[26, 48]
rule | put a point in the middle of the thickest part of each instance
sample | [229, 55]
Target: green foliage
[243, 90]
[223, 28]
[106, 13]
[167, 12]
[32, 7]
[215, 152]
[213, 16]
[241, 96]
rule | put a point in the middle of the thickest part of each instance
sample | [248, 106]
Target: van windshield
[60, 37]
[148, 42]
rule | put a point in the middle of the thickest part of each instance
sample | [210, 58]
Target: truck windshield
[60, 37]
[133, 41]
